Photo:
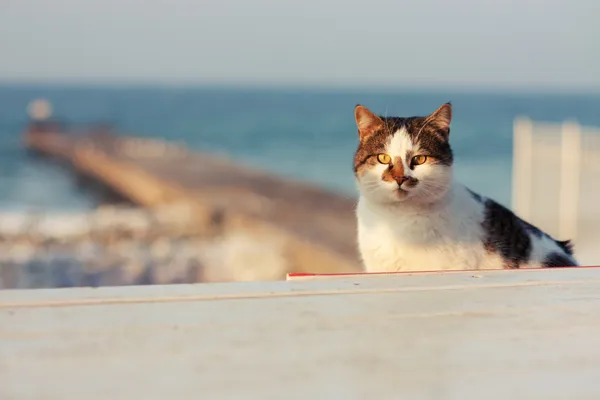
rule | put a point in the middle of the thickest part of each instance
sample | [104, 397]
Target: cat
[413, 215]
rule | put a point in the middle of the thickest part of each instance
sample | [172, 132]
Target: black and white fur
[427, 220]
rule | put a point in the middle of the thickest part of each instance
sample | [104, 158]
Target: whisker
[427, 121]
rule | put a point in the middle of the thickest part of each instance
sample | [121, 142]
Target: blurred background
[146, 142]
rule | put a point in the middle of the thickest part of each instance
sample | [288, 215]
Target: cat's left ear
[440, 119]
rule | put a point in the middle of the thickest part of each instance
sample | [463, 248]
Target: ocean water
[301, 134]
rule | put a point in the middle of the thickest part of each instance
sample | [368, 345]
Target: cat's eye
[418, 160]
[384, 158]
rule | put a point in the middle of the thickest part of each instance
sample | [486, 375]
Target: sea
[305, 134]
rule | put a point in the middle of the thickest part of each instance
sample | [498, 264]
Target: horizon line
[499, 88]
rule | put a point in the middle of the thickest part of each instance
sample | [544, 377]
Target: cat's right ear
[367, 122]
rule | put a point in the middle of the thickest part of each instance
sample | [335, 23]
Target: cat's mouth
[401, 193]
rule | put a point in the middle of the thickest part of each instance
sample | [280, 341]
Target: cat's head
[403, 159]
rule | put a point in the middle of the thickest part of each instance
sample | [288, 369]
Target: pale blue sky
[371, 42]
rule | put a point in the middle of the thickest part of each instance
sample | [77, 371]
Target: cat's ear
[367, 122]
[440, 119]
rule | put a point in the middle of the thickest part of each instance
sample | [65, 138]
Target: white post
[570, 172]
[522, 167]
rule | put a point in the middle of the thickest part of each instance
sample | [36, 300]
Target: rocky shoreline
[115, 246]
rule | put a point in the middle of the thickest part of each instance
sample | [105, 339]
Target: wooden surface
[514, 334]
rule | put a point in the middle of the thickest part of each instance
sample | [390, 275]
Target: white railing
[556, 181]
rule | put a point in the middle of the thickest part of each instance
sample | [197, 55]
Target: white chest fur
[445, 238]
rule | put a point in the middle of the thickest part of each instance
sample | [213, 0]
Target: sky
[504, 43]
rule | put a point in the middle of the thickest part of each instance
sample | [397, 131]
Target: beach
[299, 136]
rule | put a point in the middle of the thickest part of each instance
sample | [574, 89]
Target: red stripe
[301, 274]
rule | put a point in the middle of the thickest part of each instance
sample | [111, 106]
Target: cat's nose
[409, 179]
[401, 179]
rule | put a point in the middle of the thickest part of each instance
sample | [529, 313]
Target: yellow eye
[418, 160]
[384, 158]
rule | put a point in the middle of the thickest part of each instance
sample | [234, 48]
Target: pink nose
[401, 179]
